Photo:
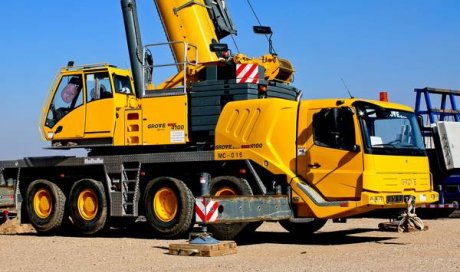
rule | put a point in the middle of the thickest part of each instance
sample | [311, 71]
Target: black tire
[91, 217]
[235, 186]
[45, 205]
[172, 216]
[303, 229]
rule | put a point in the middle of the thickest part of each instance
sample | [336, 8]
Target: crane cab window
[334, 128]
[122, 84]
[67, 97]
[98, 86]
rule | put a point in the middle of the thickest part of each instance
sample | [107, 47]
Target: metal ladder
[130, 174]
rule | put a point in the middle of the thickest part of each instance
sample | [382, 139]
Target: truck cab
[341, 158]
[370, 152]
[86, 106]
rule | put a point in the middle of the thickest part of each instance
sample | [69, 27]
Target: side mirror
[221, 49]
[266, 30]
[218, 47]
[355, 148]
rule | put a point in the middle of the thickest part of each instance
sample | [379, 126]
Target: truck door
[100, 111]
[334, 160]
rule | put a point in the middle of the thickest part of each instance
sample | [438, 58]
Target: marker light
[384, 96]
[262, 88]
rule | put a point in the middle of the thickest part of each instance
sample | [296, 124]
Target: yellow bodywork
[188, 21]
[347, 183]
[165, 120]
[120, 120]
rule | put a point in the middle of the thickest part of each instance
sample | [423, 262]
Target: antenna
[345, 85]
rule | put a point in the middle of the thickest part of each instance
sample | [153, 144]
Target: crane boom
[202, 23]
[198, 22]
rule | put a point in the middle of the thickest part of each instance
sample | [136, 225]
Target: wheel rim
[225, 191]
[43, 203]
[165, 204]
[88, 204]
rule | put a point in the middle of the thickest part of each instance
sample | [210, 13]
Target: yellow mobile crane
[271, 156]
[176, 115]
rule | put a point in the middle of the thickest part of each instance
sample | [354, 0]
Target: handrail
[177, 64]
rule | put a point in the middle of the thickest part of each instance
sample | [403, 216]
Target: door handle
[314, 165]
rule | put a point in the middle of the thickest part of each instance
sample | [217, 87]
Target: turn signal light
[376, 200]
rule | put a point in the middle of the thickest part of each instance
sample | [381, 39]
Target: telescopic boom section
[199, 22]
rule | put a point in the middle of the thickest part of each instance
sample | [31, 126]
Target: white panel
[449, 134]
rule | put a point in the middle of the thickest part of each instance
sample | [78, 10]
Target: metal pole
[204, 237]
[205, 178]
[133, 38]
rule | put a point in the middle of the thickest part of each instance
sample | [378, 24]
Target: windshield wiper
[397, 146]
[411, 146]
[385, 145]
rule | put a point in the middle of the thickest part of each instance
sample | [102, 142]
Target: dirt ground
[357, 245]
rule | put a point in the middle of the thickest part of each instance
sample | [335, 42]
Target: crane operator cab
[86, 104]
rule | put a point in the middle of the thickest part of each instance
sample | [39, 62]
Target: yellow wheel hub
[225, 191]
[88, 204]
[43, 203]
[165, 204]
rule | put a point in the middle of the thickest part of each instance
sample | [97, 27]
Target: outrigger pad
[407, 221]
[206, 250]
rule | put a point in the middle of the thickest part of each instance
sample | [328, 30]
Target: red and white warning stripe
[206, 211]
[247, 73]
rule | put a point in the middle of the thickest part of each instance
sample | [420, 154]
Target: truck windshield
[389, 131]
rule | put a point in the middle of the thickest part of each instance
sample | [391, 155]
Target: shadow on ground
[341, 237]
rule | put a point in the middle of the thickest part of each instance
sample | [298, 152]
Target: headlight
[422, 198]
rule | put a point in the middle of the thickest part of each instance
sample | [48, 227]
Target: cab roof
[321, 103]
[92, 68]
